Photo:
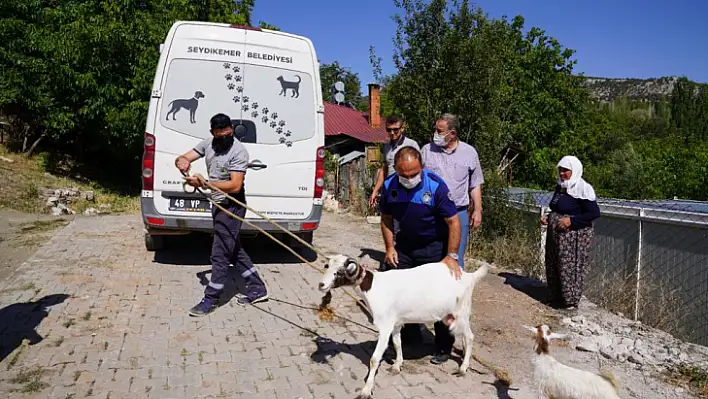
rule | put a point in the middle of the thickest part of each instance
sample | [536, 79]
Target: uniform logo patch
[427, 197]
[449, 195]
[394, 194]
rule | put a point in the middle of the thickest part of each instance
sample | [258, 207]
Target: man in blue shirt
[420, 202]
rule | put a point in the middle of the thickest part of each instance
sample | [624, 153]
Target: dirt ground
[21, 234]
[502, 303]
[116, 271]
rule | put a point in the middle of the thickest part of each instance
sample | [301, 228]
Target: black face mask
[222, 144]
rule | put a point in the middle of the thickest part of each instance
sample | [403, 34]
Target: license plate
[189, 205]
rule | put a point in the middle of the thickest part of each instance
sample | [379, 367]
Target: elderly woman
[570, 234]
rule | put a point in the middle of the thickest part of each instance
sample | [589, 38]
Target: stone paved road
[123, 332]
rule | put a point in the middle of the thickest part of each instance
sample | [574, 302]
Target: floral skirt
[567, 261]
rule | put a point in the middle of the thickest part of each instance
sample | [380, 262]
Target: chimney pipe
[374, 105]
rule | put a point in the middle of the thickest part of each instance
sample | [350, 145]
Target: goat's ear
[351, 266]
[532, 329]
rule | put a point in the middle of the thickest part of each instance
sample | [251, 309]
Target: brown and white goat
[556, 380]
[422, 294]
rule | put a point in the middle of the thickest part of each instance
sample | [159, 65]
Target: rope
[325, 312]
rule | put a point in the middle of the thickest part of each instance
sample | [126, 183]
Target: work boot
[254, 296]
[203, 308]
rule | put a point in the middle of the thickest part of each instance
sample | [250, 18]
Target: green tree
[76, 76]
[505, 86]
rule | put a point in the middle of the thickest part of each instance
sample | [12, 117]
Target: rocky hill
[607, 89]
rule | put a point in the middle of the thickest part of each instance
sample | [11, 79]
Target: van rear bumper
[177, 225]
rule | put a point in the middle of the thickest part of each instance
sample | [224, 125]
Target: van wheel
[299, 247]
[154, 243]
[307, 237]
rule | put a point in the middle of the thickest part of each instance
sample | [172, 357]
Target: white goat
[419, 295]
[555, 380]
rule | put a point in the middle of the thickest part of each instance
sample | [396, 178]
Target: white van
[268, 82]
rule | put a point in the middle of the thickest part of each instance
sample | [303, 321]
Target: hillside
[607, 89]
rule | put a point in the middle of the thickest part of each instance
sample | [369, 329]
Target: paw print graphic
[254, 114]
[245, 99]
[238, 78]
[227, 65]
[288, 133]
[239, 89]
[245, 107]
[265, 110]
[275, 115]
[281, 123]
[282, 140]
[264, 119]
[279, 130]
[231, 86]
[254, 105]
[228, 76]
[236, 99]
[289, 143]
[273, 124]
[236, 69]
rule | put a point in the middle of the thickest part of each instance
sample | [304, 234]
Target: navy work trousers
[226, 249]
[413, 257]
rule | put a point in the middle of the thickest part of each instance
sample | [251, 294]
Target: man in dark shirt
[429, 231]
[227, 161]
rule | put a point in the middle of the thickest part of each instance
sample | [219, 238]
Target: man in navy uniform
[420, 202]
[227, 161]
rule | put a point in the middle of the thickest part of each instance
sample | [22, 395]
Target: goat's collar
[364, 279]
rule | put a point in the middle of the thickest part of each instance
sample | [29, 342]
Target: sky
[618, 39]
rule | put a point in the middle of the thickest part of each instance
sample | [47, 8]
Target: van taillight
[148, 162]
[319, 172]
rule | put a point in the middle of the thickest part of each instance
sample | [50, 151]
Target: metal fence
[649, 260]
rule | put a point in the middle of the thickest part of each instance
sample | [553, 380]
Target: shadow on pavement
[502, 389]
[195, 249]
[20, 320]
[328, 348]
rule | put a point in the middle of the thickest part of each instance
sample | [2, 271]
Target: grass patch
[68, 323]
[517, 250]
[42, 226]
[658, 305]
[16, 355]
[58, 341]
[30, 379]
[25, 177]
[690, 376]
[86, 316]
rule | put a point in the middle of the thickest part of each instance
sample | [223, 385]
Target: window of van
[272, 106]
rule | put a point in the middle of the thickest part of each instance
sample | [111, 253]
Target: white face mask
[440, 141]
[409, 183]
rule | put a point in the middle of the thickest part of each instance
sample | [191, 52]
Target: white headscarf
[575, 186]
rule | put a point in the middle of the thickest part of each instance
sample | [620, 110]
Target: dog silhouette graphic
[189, 104]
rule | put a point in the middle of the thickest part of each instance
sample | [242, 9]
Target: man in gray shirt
[227, 160]
[395, 127]
[458, 164]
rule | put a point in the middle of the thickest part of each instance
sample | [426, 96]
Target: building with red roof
[347, 129]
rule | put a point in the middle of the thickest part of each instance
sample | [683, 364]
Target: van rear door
[201, 77]
[279, 124]
[268, 84]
